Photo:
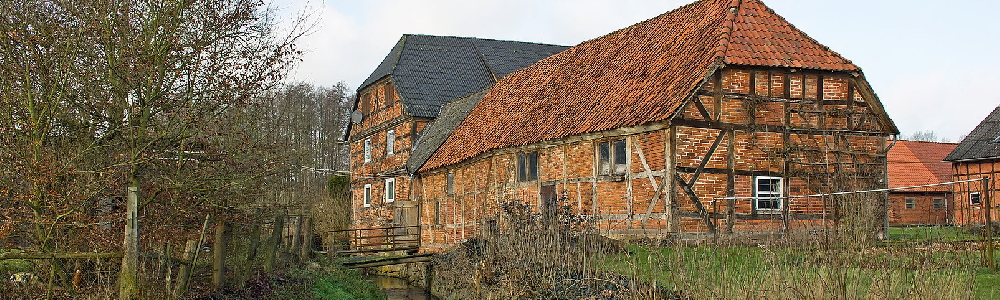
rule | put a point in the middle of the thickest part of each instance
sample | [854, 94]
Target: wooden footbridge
[376, 247]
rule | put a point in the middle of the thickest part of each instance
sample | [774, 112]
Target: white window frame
[390, 193]
[978, 197]
[367, 201]
[390, 142]
[368, 150]
[772, 196]
[910, 203]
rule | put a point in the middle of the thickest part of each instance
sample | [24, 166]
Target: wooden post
[990, 244]
[275, 242]
[186, 269]
[306, 249]
[219, 250]
[296, 240]
[331, 250]
[167, 256]
[128, 277]
[254, 244]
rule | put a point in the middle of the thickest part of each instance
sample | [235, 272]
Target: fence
[222, 255]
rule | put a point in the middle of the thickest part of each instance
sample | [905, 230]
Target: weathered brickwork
[383, 112]
[813, 130]
[967, 212]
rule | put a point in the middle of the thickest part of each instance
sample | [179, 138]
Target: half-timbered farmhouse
[917, 163]
[977, 156]
[713, 117]
[405, 93]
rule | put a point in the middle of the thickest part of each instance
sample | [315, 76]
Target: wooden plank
[701, 109]
[70, 255]
[719, 171]
[389, 262]
[730, 180]
[772, 129]
[649, 175]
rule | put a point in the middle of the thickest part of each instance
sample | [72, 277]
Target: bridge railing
[373, 240]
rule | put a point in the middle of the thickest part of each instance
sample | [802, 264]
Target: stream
[399, 289]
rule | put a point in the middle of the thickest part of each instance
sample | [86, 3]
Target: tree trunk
[128, 277]
[306, 249]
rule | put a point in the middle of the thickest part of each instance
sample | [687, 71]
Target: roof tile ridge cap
[727, 29]
[402, 47]
[486, 64]
[806, 36]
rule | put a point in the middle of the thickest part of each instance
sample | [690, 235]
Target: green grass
[347, 285]
[728, 271]
[930, 234]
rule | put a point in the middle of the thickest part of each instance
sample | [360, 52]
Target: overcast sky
[930, 62]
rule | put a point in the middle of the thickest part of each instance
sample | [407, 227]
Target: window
[611, 157]
[451, 183]
[368, 150]
[527, 166]
[390, 190]
[767, 193]
[390, 142]
[910, 203]
[938, 203]
[975, 199]
[437, 212]
[368, 195]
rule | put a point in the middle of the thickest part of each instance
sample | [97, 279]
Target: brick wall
[965, 212]
[812, 129]
[921, 209]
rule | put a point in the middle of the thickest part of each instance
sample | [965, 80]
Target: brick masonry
[814, 133]
[966, 212]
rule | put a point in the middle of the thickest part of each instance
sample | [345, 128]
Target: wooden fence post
[331, 250]
[219, 261]
[296, 240]
[128, 277]
[306, 250]
[272, 252]
[186, 269]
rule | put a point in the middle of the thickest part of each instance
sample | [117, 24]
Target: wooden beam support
[697, 203]
[769, 129]
[708, 156]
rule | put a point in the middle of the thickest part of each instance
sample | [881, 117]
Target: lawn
[931, 234]
[803, 272]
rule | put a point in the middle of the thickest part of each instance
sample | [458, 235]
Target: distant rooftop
[982, 143]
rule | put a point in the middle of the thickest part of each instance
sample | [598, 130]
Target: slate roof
[982, 142]
[913, 163]
[636, 75]
[429, 71]
[452, 114]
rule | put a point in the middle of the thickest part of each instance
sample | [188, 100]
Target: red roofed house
[647, 127]
[914, 163]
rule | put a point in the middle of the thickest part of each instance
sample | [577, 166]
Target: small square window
[612, 157]
[390, 190]
[938, 203]
[911, 203]
[527, 166]
[368, 196]
[368, 150]
[390, 142]
[975, 199]
[768, 194]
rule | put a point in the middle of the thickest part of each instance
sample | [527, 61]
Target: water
[399, 289]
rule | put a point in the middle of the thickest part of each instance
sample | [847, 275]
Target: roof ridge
[727, 29]
[479, 38]
[482, 58]
[402, 47]
[800, 32]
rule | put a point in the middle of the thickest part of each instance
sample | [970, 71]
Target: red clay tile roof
[636, 75]
[914, 163]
